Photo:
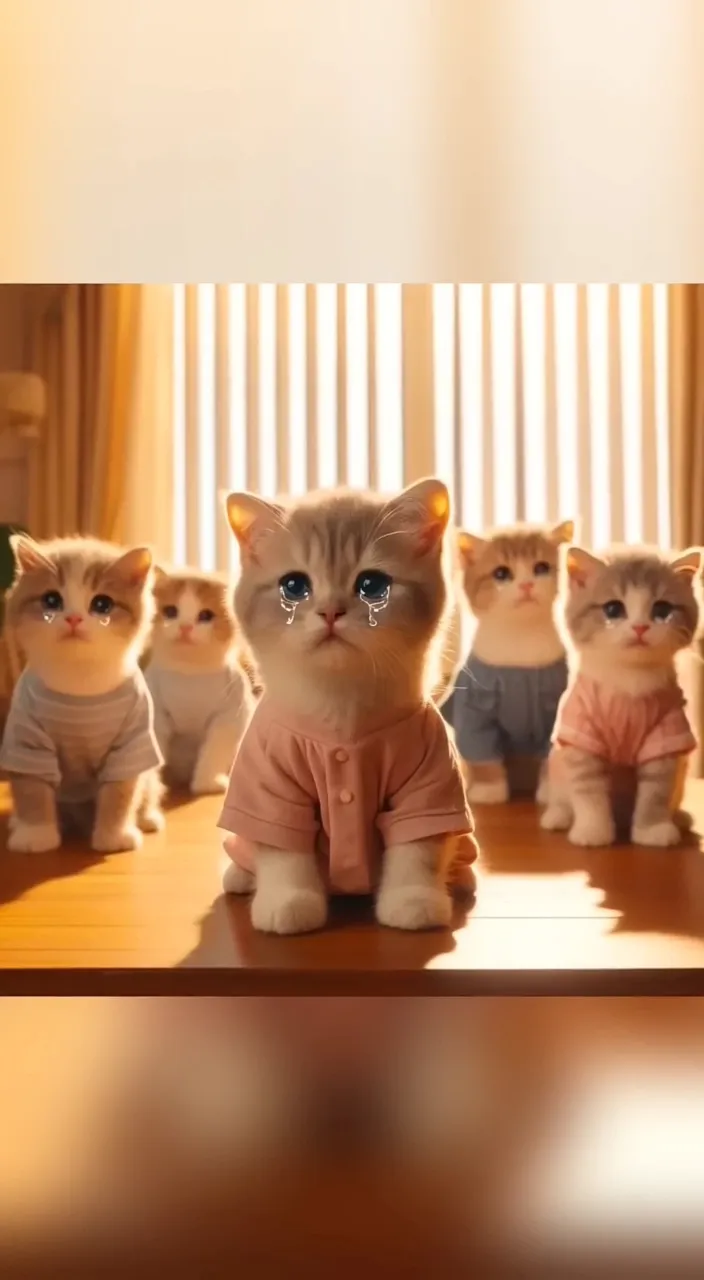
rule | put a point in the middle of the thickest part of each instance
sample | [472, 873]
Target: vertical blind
[534, 402]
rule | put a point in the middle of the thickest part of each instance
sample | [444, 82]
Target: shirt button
[342, 756]
[346, 796]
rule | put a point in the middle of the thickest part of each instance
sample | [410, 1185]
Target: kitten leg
[235, 879]
[290, 896]
[413, 892]
[150, 790]
[487, 783]
[558, 813]
[34, 826]
[115, 830]
[653, 820]
[542, 795]
[588, 784]
[212, 768]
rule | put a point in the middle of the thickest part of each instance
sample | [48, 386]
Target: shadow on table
[352, 941]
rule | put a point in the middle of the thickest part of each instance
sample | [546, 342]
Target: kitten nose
[640, 628]
[332, 613]
[74, 619]
[526, 587]
[186, 628]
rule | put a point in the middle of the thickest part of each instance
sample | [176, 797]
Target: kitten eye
[102, 605]
[295, 587]
[614, 609]
[53, 601]
[541, 568]
[169, 611]
[661, 611]
[372, 586]
[502, 573]
[206, 615]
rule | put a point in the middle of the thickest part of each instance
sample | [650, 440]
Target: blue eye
[502, 573]
[541, 568]
[661, 611]
[102, 605]
[614, 609]
[372, 586]
[53, 601]
[295, 587]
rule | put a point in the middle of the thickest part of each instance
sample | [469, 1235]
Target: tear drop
[48, 617]
[290, 609]
[376, 606]
[104, 621]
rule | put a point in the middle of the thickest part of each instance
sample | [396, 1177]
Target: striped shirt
[77, 743]
[622, 728]
[190, 704]
[498, 712]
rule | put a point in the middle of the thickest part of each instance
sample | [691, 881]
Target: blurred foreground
[532, 1137]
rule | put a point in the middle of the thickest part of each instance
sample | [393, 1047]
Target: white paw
[116, 840]
[151, 820]
[288, 910]
[542, 795]
[208, 784]
[33, 838]
[488, 792]
[557, 817]
[414, 907]
[659, 834]
[593, 829]
[236, 880]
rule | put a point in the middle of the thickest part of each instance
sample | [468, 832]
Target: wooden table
[549, 918]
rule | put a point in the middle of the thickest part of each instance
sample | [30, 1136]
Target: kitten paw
[557, 817]
[488, 792]
[660, 834]
[542, 795]
[208, 784]
[414, 907]
[289, 910]
[151, 820]
[236, 880]
[116, 840]
[592, 830]
[26, 837]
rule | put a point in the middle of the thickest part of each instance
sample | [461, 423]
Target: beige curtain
[86, 346]
[686, 313]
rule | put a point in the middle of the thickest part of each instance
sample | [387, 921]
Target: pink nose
[331, 615]
[640, 629]
[186, 628]
[526, 587]
[74, 620]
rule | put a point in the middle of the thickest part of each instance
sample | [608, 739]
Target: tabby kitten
[628, 613]
[345, 779]
[202, 697]
[79, 741]
[506, 695]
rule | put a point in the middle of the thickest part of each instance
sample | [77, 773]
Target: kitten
[202, 697]
[341, 599]
[506, 695]
[79, 741]
[628, 613]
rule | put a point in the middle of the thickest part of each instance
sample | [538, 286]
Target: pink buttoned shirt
[622, 729]
[293, 787]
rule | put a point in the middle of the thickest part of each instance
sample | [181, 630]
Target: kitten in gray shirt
[202, 696]
[79, 741]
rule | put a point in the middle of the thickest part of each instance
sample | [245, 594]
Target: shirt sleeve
[575, 727]
[271, 798]
[432, 801]
[27, 748]
[672, 736]
[135, 749]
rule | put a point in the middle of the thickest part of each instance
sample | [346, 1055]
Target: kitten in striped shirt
[79, 744]
[621, 726]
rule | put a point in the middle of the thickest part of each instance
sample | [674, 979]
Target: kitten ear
[687, 562]
[581, 566]
[470, 547]
[29, 557]
[133, 567]
[425, 507]
[249, 517]
[562, 532]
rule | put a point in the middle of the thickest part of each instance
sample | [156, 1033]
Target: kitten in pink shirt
[628, 614]
[346, 780]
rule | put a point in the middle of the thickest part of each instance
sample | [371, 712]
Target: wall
[13, 452]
